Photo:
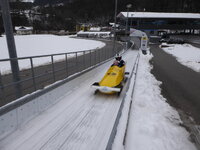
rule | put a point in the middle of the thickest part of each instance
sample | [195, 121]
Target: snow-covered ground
[153, 123]
[186, 54]
[32, 45]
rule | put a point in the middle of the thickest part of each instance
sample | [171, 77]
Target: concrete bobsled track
[76, 119]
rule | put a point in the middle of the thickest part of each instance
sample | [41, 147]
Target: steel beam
[11, 44]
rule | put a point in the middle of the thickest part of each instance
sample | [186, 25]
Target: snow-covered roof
[113, 24]
[30, 1]
[23, 28]
[88, 32]
[159, 15]
[95, 29]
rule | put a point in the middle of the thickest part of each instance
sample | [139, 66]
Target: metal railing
[55, 67]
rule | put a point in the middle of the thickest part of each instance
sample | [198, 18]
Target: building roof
[159, 15]
[23, 28]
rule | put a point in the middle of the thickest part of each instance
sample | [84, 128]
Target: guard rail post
[76, 62]
[1, 87]
[99, 56]
[90, 58]
[53, 68]
[66, 63]
[84, 60]
[95, 57]
[33, 74]
[104, 54]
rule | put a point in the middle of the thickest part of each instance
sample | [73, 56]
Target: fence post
[33, 74]
[110, 53]
[95, 61]
[1, 87]
[104, 58]
[84, 60]
[105, 53]
[99, 56]
[77, 62]
[66, 61]
[90, 58]
[53, 69]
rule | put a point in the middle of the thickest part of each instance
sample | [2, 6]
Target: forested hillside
[138, 5]
[65, 14]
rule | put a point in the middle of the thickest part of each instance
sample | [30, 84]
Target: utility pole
[127, 27]
[115, 18]
[11, 44]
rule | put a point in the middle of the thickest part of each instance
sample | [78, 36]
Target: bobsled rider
[118, 61]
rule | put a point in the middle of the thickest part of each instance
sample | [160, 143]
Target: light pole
[128, 6]
[115, 21]
[11, 44]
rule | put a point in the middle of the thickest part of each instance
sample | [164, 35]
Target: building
[83, 27]
[157, 23]
[22, 30]
[92, 34]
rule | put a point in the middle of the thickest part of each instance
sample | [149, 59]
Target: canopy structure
[159, 15]
[155, 22]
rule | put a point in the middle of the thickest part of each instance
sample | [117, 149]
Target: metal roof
[159, 15]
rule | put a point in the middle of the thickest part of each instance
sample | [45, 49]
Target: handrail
[53, 69]
[38, 56]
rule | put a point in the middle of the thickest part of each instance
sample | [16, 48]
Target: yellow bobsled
[112, 80]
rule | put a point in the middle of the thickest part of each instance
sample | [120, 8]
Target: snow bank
[32, 45]
[186, 54]
[153, 124]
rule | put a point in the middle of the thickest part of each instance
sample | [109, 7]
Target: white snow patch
[153, 124]
[186, 54]
[32, 45]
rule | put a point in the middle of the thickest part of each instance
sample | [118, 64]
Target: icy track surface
[80, 120]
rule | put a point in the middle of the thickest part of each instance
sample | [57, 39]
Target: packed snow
[32, 45]
[186, 54]
[153, 123]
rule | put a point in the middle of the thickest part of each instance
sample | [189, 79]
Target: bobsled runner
[112, 82]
